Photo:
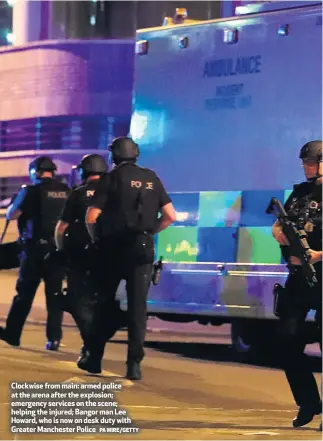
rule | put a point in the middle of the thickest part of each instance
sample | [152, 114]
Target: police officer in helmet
[122, 219]
[81, 269]
[303, 205]
[37, 207]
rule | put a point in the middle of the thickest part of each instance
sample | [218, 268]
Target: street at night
[193, 387]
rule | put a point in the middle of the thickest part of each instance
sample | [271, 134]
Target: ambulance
[221, 109]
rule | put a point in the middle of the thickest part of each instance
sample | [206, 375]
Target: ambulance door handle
[222, 269]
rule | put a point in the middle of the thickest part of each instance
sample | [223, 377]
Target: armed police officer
[37, 208]
[304, 205]
[122, 219]
[81, 269]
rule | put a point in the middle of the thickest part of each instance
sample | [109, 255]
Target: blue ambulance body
[221, 109]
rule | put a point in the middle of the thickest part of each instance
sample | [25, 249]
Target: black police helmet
[124, 149]
[312, 150]
[43, 163]
[93, 164]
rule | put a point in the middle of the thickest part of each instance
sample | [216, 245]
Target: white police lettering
[57, 194]
[89, 193]
[149, 186]
[136, 184]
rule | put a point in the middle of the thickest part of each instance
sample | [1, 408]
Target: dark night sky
[116, 19]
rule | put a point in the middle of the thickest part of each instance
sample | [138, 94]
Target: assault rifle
[297, 239]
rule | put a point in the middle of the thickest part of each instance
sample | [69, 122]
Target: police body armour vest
[123, 213]
[78, 236]
[52, 198]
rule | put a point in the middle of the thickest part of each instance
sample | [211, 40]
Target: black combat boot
[92, 365]
[83, 353]
[133, 371]
[8, 339]
[306, 414]
[53, 345]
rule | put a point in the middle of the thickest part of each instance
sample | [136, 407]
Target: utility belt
[296, 271]
[284, 299]
[28, 244]
[134, 246]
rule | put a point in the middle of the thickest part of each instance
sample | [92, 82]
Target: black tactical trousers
[82, 285]
[33, 269]
[107, 315]
[81, 299]
[82, 291]
[292, 340]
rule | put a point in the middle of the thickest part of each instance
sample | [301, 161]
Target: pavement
[191, 389]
